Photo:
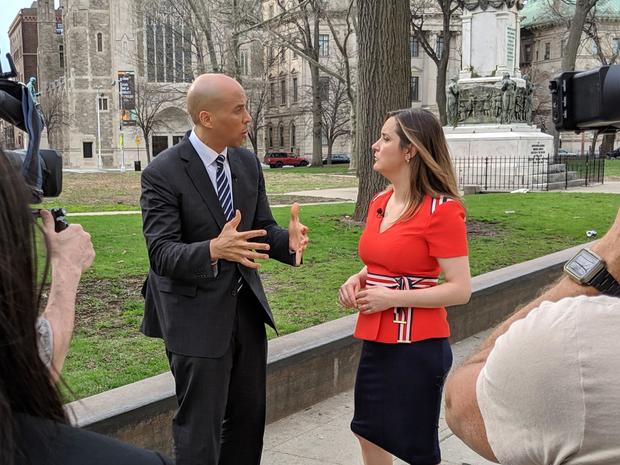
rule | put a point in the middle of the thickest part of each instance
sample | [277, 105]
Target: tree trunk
[440, 93]
[607, 144]
[330, 146]
[383, 45]
[317, 106]
[317, 118]
[354, 152]
[582, 8]
[147, 146]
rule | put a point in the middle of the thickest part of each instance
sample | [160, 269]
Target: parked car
[614, 153]
[565, 153]
[338, 158]
[280, 159]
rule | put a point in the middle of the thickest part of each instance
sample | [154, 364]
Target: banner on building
[127, 97]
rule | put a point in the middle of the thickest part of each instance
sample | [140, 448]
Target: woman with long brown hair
[415, 231]
[33, 424]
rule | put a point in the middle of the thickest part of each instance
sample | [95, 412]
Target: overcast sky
[10, 8]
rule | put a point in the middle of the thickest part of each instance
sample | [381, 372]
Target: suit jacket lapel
[202, 182]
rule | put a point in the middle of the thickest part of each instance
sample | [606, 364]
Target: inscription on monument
[511, 38]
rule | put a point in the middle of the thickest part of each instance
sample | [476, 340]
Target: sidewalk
[320, 435]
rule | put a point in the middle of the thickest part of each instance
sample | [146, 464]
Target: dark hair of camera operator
[33, 424]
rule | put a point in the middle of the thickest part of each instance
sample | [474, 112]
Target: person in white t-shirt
[544, 389]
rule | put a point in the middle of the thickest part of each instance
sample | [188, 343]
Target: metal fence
[538, 173]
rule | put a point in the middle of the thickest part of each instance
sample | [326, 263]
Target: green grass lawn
[108, 351]
[113, 191]
[612, 168]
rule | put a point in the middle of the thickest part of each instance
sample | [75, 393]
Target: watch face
[584, 266]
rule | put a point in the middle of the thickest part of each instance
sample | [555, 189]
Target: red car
[280, 159]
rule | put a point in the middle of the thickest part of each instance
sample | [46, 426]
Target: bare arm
[455, 290]
[462, 409]
[71, 253]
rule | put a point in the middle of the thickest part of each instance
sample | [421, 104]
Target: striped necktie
[223, 189]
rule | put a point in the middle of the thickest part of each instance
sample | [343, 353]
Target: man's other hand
[297, 235]
[235, 246]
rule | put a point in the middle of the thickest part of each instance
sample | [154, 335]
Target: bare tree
[342, 38]
[151, 98]
[575, 30]
[384, 31]
[421, 11]
[55, 114]
[336, 114]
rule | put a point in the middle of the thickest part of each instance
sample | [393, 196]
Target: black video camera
[41, 169]
[585, 100]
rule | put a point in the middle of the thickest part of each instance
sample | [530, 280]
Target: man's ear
[206, 119]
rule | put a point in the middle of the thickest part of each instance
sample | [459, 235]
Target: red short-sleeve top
[404, 256]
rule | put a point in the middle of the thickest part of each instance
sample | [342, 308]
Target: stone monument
[489, 104]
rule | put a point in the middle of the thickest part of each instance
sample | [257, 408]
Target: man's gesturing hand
[297, 234]
[234, 246]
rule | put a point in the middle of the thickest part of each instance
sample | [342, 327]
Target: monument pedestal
[517, 140]
[503, 157]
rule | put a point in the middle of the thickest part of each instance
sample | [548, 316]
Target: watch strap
[606, 283]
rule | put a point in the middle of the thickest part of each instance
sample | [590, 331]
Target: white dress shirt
[208, 157]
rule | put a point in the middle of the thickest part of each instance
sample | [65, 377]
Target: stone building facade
[288, 114]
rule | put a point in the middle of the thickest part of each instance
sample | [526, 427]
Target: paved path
[321, 434]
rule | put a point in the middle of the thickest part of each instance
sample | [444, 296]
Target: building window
[168, 52]
[281, 131]
[547, 50]
[245, 64]
[270, 139]
[295, 90]
[594, 48]
[61, 55]
[528, 53]
[272, 94]
[87, 149]
[415, 47]
[537, 55]
[293, 135]
[439, 47]
[103, 104]
[615, 45]
[323, 45]
[99, 42]
[270, 11]
[415, 86]
[324, 88]
[562, 47]
[283, 92]
[282, 55]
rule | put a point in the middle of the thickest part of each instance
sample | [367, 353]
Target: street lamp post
[122, 138]
[97, 101]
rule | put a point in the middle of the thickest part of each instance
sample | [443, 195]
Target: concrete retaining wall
[310, 365]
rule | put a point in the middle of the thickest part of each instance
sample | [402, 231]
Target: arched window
[99, 42]
[293, 134]
[270, 137]
[281, 135]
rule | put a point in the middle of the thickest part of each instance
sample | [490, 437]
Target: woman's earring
[408, 159]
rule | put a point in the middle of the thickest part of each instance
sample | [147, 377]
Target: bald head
[209, 91]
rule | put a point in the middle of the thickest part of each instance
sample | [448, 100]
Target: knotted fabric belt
[403, 316]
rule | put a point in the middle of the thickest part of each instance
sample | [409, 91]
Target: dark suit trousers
[221, 415]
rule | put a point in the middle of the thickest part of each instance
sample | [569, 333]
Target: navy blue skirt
[398, 397]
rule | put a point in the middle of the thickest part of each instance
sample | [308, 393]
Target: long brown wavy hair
[25, 386]
[432, 172]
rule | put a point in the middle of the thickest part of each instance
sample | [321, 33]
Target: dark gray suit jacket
[186, 303]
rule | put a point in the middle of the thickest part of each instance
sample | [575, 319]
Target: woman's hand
[349, 290]
[375, 299]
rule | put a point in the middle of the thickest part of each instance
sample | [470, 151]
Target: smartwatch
[589, 269]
